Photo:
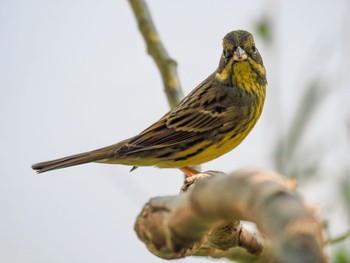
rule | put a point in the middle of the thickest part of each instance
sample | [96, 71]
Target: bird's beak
[239, 54]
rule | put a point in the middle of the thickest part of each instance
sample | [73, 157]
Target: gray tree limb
[166, 65]
[204, 220]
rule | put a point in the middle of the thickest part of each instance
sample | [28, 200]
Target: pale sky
[75, 76]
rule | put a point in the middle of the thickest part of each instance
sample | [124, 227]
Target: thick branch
[183, 225]
[166, 65]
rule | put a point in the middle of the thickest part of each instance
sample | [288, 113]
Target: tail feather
[87, 157]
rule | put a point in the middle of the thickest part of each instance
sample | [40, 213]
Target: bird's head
[240, 59]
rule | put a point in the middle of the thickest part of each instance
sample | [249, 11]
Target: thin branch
[183, 225]
[166, 65]
[341, 238]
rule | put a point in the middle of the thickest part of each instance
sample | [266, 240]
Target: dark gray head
[239, 47]
[241, 43]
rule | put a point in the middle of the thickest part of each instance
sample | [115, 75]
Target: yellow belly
[212, 152]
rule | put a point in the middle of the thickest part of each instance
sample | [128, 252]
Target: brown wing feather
[194, 119]
[158, 136]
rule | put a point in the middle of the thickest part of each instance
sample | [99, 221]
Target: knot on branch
[153, 229]
[204, 220]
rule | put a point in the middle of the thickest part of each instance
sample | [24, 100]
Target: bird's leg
[189, 171]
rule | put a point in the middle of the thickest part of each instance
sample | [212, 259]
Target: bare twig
[340, 238]
[166, 65]
[203, 220]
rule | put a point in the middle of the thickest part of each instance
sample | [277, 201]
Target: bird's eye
[254, 48]
[227, 53]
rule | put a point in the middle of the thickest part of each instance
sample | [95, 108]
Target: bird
[210, 121]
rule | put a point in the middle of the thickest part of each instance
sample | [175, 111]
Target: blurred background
[75, 76]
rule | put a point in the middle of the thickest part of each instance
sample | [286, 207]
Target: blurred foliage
[341, 238]
[341, 256]
[290, 155]
[345, 191]
[286, 158]
[264, 29]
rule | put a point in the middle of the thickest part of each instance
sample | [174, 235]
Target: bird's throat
[246, 75]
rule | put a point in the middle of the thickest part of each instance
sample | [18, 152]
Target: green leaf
[341, 256]
[263, 29]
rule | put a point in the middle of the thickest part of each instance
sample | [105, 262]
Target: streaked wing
[159, 135]
[178, 130]
[176, 135]
[196, 119]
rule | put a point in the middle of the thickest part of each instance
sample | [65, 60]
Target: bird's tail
[87, 157]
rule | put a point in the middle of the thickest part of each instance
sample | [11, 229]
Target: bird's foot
[189, 171]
